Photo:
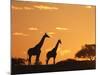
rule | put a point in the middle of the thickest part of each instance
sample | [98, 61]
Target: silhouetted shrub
[18, 61]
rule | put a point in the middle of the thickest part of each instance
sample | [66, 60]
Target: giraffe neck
[55, 49]
[41, 42]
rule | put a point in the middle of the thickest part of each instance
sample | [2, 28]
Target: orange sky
[73, 24]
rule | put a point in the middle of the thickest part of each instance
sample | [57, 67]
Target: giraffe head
[59, 41]
[46, 35]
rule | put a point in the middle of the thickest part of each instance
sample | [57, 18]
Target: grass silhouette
[66, 65]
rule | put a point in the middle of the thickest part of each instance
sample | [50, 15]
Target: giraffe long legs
[37, 59]
[47, 61]
[54, 60]
[29, 60]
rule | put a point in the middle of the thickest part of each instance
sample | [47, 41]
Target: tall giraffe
[36, 50]
[53, 53]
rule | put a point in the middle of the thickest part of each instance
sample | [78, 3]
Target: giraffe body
[36, 50]
[53, 53]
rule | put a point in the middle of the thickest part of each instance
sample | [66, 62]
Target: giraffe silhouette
[36, 50]
[53, 52]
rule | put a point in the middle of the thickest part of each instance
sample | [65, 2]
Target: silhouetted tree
[87, 51]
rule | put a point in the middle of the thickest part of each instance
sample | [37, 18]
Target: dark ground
[67, 65]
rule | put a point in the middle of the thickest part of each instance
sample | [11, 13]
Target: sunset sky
[73, 24]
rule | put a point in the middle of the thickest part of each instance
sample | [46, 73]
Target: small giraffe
[35, 51]
[53, 53]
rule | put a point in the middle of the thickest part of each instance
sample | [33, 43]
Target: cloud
[22, 8]
[27, 8]
[50, 33]
[40, 7]
[20, 34]
[88, 6]
[17, 8]
[32, 29]
[60, 28]
[44, 7]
